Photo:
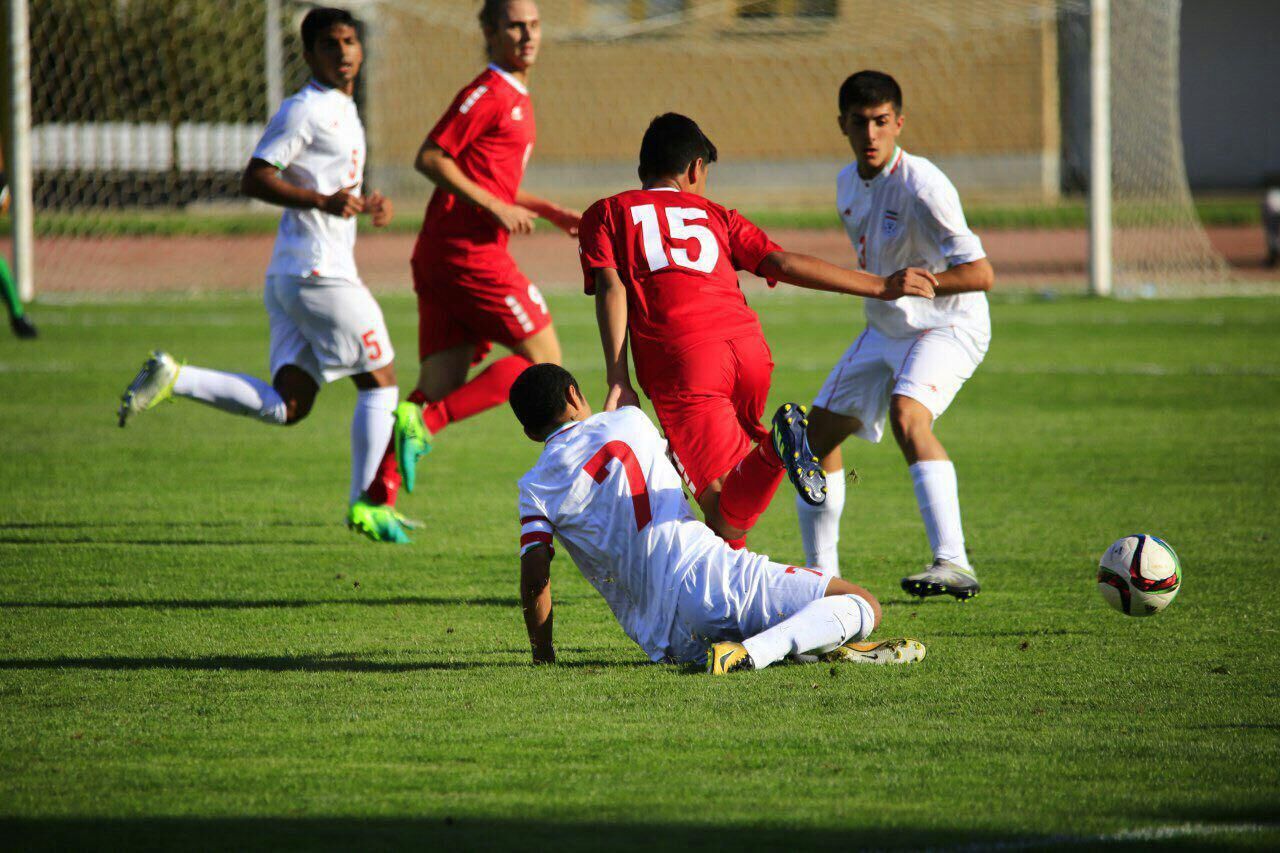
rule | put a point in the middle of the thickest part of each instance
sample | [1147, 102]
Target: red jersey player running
[662, 262]
[604, 487]
[470, 292]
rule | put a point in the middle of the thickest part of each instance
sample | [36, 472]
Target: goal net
[144, 112]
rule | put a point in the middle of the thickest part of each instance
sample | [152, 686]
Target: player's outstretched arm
[261, 180]
[443, 171]
[535, 599]
[564, 218]
[611, 316]
[966, 278]
[816, 274]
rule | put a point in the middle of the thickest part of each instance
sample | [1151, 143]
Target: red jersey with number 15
[489, 132]
[677, 254]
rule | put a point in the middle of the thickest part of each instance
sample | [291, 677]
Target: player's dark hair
[491, 13]
[322, 20]
[870, 89]
[538, 396]
[670, 144]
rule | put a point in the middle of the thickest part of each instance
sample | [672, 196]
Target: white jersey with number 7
[606, 489]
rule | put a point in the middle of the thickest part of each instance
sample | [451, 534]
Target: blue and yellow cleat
[379, 523]
[151, 387]
[727, 657]
[412, 441]
[791, 441]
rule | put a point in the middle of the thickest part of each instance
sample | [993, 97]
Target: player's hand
[513, 217]
[378, 206]
[621, 394]
[565, 219]
[343, 203]
[911, 281]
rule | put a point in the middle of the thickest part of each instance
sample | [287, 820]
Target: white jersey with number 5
[909, 215]
[317, 140]
[605, 488]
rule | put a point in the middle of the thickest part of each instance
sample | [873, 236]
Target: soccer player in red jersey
[662, 262]
[470, 292]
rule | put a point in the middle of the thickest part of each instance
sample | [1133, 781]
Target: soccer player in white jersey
[914, 355]
[605, 488]
[324, 322]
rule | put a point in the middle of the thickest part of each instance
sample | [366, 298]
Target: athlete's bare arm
[563, 218]
[965, 278]
[535, 599]
[444, 172]
[611, 316]
[261, 180]
[816, 274]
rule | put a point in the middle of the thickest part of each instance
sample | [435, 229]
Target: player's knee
[296, 409]
[908, 417]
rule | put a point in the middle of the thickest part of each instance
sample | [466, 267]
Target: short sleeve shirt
[489, 131]
[909, 215]
[317, 141]
[678, 255]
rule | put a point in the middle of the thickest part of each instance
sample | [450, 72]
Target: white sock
[371, 426]
[939, 498]
[820, 526]
[231, 392]
[816, 628]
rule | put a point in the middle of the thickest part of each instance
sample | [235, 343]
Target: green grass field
[195, 653]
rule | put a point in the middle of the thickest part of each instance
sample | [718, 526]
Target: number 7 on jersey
[597, 468]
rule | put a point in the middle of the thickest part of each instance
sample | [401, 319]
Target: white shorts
[930, 368]
[737, 597]
[329, 327]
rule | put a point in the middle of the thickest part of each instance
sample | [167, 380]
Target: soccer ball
[1139, 575]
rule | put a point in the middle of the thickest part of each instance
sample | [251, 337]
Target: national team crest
[890, 226]
[517, 113]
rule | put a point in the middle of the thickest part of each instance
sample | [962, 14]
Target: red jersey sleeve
[748, 244]
[473, 112]
[595, 243]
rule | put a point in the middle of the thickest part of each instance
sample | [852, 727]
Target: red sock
[488, 389]
[750, 486]
[386, 483]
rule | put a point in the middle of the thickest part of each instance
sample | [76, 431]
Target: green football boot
[379, 523]
[412, 441]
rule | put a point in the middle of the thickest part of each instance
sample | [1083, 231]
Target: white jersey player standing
[325, 324]
[604, 487]
[914, 355]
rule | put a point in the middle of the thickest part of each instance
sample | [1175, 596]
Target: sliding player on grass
[470, 292]
[915, 354]
[604, 487]
[662, 262]
[324, 322]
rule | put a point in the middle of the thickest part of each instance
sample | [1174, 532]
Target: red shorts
[709, 400]
[475, 305]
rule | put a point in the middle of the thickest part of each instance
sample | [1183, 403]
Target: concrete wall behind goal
[1230, 74]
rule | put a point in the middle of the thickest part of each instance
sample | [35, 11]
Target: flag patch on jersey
[890, 225]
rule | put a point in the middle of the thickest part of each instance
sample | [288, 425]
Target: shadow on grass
[483, 833]
[286, 663]
[260, 604]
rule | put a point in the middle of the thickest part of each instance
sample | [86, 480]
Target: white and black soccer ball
[1139, 575]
